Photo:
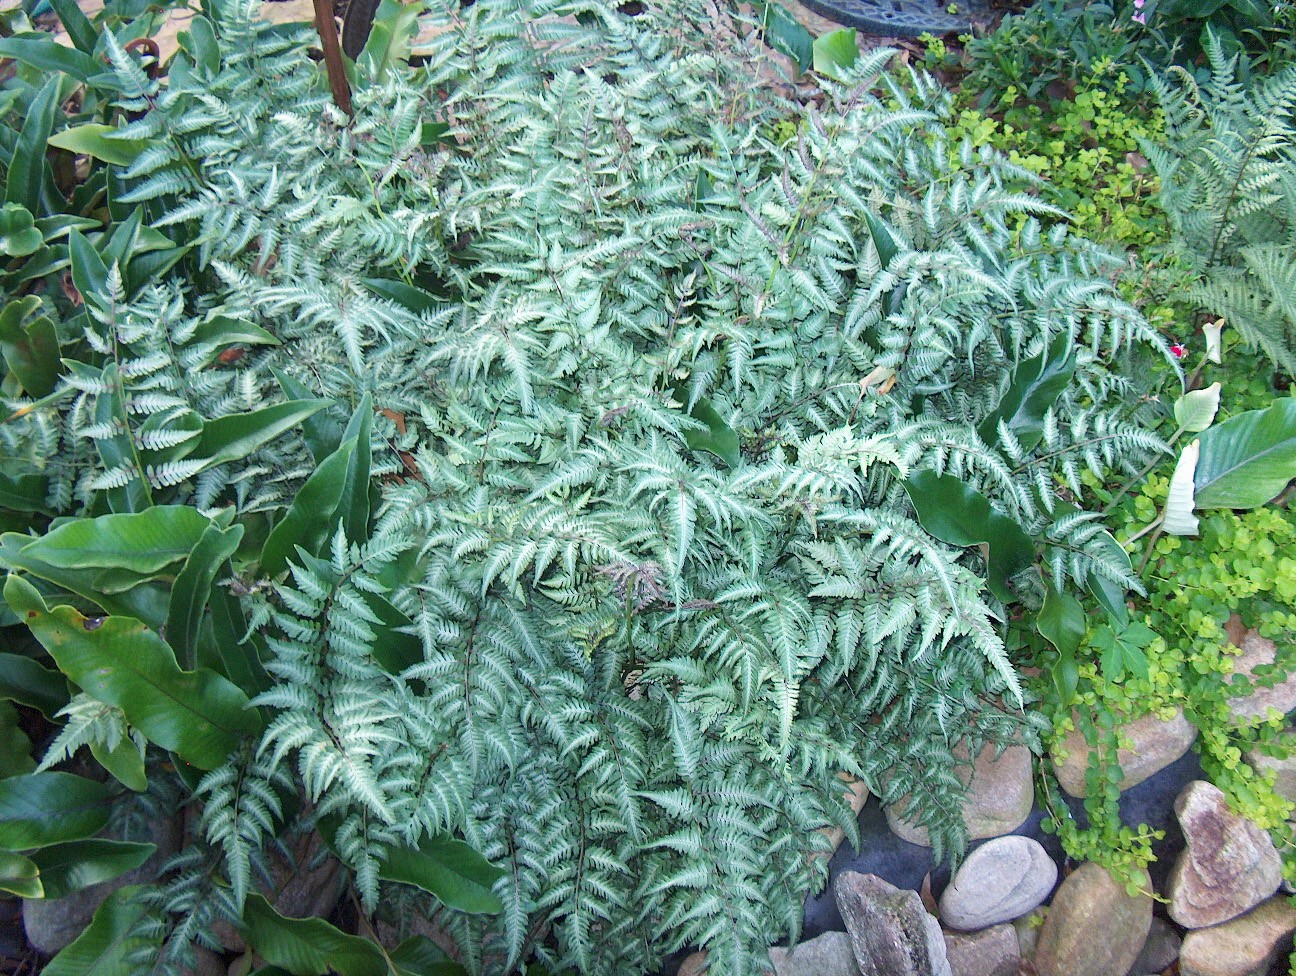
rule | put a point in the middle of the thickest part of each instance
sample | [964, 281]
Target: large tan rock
[1156, 743]
[1094, 926]
[1001, 880]
[1228, 866]
[890, 931]
[1000, 794]
[990, 952]
[825, 955]
[1246, 946]
[1257, 652]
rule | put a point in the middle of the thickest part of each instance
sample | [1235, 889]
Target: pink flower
[1139, 17]
[1179, 350]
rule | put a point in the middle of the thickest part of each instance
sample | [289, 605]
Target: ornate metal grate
[900, 18]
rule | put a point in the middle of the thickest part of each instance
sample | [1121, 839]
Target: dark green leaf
[19, 235]
[718, 438]
[68, 868]
[957, 514]
[221, 331]
[1248, 459]
[420, 956]
[123, 762]
[146, 603]
[449, 869]
[353, 506]
[79, 29]
[237, 650]
[15, 747]
[25, 493]
[322, 431]
[307, 946]
[141, 543]
[109, 941]
[30, 349]
[46, 54]
[1062, 621]
[24, 681]
[189, 595]
[89, 273]
[27, 168]
[408, 297]
[40, 809]
[19, 876]
[93, 139]
[1036, 385]
[197, 714]
[784, 33]
[238, 435]
[313, 515]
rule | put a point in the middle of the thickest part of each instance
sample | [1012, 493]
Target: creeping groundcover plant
[548, 466]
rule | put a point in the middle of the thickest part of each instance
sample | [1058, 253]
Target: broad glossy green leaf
[19, 235]
[123, 762]
[1248, 459]
[353, 506]
[1036, 384]
[390, 40]
[89, 273]
[142, 543]
[321, 431]
[785, 34]
[108, 941]
[961, 516]
[24, 681]
[1062, 621]
[15, 748]
[238, 435]
[78, 26]
[41, 809]
[27, 167]
[307, 946]
[237, 650]
[147, 603]
[71, 867]
[420, 956]
[449, 869]
[313, 515]
[197, 714]
[221, 331]
[41, 51]
[834, 51]
[30, 348]
[93, 139]
[20, 876]
[189, 595]
[200, 43]
[718, 438]
[24, 493]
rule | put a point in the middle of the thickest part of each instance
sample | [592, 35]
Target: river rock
[1093, 927]
[1160, 950]
[826, 955]
[1257, 652]
[1028, 929]
[1229, 865]
[1156, 744]
[1001, 880]
[990, 952]
[891, 933]
[52, 923]
[1000, 795]
[693, 965]
[1246, 946]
